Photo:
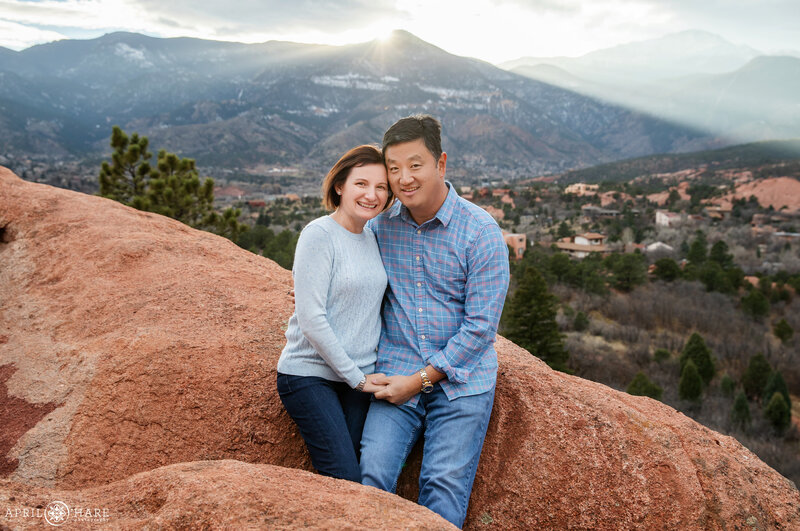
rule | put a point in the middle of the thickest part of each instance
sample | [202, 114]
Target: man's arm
[485, 294]
[399, 389]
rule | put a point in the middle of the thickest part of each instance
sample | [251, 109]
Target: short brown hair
[358, 156]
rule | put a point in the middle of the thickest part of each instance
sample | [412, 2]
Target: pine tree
[727, 385]
[755, 304]
[172, 188]
[581, 322]
[690, 386]
[629, 271]
[719, 254]
[697, 351]
[783, 331]
[529, 320]
[667, 269]
[642, 386]
[740, 413]
[756, 376]
[125, 179]
[778, 413]
[697, 250]
[776, 384]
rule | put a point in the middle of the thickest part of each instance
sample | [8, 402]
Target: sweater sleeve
[312, 272]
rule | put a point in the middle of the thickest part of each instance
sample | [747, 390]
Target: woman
[325, 370]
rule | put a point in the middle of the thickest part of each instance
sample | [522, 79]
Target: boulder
[223, 494]
[129, 341]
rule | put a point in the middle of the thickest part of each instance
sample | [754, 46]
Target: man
[447, 265]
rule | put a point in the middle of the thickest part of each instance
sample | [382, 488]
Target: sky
[492, 30]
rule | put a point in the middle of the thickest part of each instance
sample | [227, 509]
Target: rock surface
[216, 495]
[138, 342]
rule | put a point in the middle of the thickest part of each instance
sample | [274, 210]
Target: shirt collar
[444, 214]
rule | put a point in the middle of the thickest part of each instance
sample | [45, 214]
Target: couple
[399, 302]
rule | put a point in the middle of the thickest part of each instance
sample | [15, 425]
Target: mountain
[671, 56]
[692, 78]
[239, 106]
[765, 159]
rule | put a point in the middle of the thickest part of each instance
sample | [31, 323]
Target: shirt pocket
[448, 276]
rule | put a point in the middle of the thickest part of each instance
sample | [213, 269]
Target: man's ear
[441, 165]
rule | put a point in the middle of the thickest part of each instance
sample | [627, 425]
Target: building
[594, 212]
[582, 245]
[517, 242]
[668, 219]
[658, 247]
[581, 189]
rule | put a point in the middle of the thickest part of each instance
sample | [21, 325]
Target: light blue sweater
[339, 282]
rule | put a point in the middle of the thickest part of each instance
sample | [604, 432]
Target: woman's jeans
[330, 416]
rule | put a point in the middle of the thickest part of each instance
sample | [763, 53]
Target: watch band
[427, 386]
[361, 384]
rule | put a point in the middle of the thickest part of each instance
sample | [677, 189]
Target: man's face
[417, 178]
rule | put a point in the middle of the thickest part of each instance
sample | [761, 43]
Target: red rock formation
[159, 342]
[217, 495]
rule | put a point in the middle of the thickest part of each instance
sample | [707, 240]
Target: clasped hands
[395, 389]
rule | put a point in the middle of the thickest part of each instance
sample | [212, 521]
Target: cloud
[18, 36]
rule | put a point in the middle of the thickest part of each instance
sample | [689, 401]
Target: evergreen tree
[740, 413]
[564, 231]
[756, 376]
[778, 413]
[560, 266]
[727, 385]
[629, 271]
[667, 269]
[783, 331]
[690, 386]
[719, 254]
[697, 351]
[755, 304]
[776, 384]
[529, 320]
[642, 386]
[126, 177]
[714, 277]
[172, 188]
[581, 322]
[697, 254]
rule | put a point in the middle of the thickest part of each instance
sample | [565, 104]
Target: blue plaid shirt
[447, 284]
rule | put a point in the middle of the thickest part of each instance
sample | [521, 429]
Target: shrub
[755, 377]
[642, 386]
[783, 331]
[727, 386]
[581, 322]
[661, 355]
[755, 304]
[740, 413]
[690, 386]
[697, 351]
[777, 413]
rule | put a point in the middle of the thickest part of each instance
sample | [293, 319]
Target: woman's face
[364, 193]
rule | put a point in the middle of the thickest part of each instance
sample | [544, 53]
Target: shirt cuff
[454, 374]
[354, 377]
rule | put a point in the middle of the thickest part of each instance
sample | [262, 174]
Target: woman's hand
[400, 388]
[375, 382]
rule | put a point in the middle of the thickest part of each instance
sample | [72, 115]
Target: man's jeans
[453, 438]
[330, 416]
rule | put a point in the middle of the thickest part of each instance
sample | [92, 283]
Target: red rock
[158, 343]
[217, 495]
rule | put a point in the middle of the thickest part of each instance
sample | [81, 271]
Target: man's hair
[411, 128]
[358, 156]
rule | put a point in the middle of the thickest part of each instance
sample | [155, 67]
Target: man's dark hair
[411, 128]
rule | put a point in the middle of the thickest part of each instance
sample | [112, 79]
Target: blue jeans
[453, 438]
[330, 416]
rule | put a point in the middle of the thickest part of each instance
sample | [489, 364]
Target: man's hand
[372, 385]
[399, 389]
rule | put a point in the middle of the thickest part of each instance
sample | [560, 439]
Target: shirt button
[419, 231]
[422, 337]
[419, 284]
[417, 258]
[420, 310]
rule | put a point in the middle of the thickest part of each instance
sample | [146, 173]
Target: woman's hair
[358, 156]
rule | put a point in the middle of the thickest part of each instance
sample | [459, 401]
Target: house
[256, 203]
[719, 212]
[665, 218]
[517, 242]
[582, 189]
[658, 247]
[582, 245]
[593, 212]
[496, 213]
